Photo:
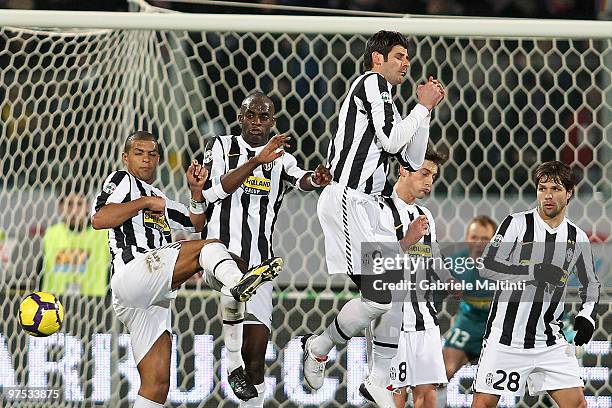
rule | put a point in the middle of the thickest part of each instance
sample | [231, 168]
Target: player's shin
[354, 316]
[232, 312]
[215, 258]
[385, 338]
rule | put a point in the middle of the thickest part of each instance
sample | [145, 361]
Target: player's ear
[124, 158]
[569, 195]
[377, 58]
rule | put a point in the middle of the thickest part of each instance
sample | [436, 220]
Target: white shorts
[258, 309]
[259, 306]
[143, 296]
[419, 359]
[505, 370]
[349, 218]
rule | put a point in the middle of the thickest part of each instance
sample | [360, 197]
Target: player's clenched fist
[321, 176]
[417, 230]
[273, 149]
[430, 93]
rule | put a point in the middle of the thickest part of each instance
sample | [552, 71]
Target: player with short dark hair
[418, 363]
[524, 342]
[370, 131]
[148, 268]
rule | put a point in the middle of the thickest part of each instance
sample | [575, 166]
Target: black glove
[548, 273]
[584, 330]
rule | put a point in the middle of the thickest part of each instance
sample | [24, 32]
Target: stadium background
[69, 100]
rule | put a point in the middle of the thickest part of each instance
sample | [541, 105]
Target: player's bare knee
[451, 369]
[582, 403]
[483, 401]
[579, 402]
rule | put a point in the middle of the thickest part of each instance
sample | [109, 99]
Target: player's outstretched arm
[272, 151]
[113, 215]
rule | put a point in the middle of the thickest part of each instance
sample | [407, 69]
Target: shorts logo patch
[569, 255]
[155, 220]
[497, 240]
[392, 373]
[257, 185]
[109, 188]
[386, 98]
[268, 166]
[489, 379]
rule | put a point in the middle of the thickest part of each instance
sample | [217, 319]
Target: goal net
[68, 99]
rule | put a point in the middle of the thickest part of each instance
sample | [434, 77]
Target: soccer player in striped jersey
[418, 363]
[148, 268]
[249, 175]
[370, 131]
[524, 341]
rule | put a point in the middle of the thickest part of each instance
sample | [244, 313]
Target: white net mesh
[68, 100]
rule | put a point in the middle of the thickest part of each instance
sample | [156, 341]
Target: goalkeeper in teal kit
[464, 339]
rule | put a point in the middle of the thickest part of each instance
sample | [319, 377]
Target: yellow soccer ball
[41, 314]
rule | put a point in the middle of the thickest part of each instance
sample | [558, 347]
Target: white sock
[142, 402]
[258, 401]
[441, 397]
[385, 338]
[232, 313]
[215, 258]
[369, 338]
[354, 316]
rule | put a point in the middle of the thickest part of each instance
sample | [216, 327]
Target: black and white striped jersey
[146, 230]
[531, 318]
[245, 219]
[419, 310]
[370, 131]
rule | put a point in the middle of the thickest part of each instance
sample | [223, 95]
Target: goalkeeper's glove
[584, 330]
[549, 273]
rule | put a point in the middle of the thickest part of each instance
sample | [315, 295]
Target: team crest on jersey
[109, 188]
[268, 166]
[569, 254]
[497, 240]
[208, 156]
[385, 97]
[257, 185]
[156, 220]
[489, 379]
